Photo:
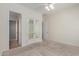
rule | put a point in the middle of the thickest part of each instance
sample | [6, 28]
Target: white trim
[16, 30]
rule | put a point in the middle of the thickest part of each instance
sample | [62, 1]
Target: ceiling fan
[49, 6]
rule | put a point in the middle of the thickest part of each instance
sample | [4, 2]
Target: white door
[45, 30]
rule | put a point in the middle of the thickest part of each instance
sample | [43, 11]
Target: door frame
[20, 28]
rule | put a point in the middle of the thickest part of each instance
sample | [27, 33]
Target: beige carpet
[46, 48]
[13, 43]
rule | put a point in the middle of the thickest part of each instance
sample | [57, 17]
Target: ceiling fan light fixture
[47, 8]
[51, 6]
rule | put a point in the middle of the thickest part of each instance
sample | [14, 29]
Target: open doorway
[14, 30]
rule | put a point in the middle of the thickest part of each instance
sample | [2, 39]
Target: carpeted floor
[46, 48]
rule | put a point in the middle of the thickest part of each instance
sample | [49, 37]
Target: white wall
[63, 26]
[4, 34]
[4, 24]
